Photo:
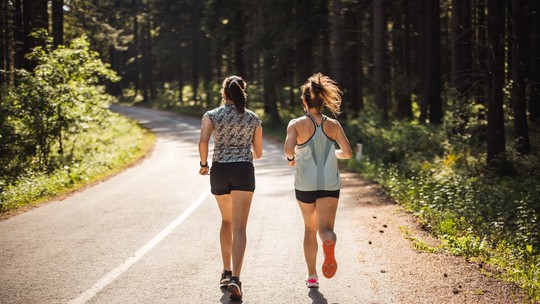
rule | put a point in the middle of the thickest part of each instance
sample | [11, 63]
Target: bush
[60, 97]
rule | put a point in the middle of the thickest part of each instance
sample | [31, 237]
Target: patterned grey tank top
[233, 133]
[316, 162]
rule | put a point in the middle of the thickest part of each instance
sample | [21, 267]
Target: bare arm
[290, 142]
[257, 143]
[206, 131]
[345, 152]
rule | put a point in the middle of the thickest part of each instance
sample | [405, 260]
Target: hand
[204, 170]
[292, 163]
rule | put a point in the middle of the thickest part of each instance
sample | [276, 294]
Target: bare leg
[310, 236]
[225, 234]
[326, 215]
[241, 203]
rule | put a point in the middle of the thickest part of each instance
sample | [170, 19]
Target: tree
[58, 22]
[534, 95]
[431, 97]
[306, 30]
[461, 33]
[495, 130]
[518, 78]
[352, 55]
[336, 40]
[6, 39]
[270, 66]
[379, 57]
[402, 41]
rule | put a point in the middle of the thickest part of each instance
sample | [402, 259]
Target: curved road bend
[150, 235]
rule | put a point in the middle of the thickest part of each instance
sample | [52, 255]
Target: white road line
[111, 276]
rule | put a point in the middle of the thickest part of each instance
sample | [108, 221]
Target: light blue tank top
[316, 162]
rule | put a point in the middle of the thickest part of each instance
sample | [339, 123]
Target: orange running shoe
[329, 266]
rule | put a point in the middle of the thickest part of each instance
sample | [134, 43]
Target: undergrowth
[100, 151]
[478, 212]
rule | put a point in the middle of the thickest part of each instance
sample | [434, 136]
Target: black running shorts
[226, 177]
[310, 197]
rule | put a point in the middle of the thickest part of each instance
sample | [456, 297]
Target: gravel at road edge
[415, 277]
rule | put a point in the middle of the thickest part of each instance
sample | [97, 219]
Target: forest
[443, 94]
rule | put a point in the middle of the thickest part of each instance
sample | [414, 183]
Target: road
[150, 235]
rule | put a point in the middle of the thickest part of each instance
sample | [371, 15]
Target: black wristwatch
[291, 159]
[203, 166]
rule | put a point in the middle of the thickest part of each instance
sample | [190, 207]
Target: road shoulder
[414, 276]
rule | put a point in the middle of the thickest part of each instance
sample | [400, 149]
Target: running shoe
[235, 289]
[225, 278]
[312, 281]
[329, 266]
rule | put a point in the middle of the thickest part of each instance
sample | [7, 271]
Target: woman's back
[233, 133]
[316, 156]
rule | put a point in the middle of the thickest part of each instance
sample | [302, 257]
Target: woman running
[238, 136]
[310, 146]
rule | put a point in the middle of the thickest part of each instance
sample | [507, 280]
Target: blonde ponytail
[321, 91]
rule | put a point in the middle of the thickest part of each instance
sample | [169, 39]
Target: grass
[98, 153]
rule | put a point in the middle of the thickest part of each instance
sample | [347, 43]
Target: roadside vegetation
[440, 175]
[57, 133]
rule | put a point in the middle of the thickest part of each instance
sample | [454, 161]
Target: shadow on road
[317, 296]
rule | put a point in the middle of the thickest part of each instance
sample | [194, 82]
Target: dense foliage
[441, 176]
[50, 104]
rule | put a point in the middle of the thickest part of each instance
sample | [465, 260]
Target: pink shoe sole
[329, 266]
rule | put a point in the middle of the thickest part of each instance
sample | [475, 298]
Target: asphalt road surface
[150, 235]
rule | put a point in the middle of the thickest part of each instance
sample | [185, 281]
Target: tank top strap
[312, 120]
[324, 118]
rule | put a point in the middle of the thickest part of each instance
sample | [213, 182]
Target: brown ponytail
[234, 88]
[320, 91]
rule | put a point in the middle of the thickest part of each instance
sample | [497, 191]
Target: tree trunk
[137, 52]
[336, 41]
[379, 57]
[480, 67]
[324, 13]
[58, 22]
[461, 32]
[433, 86]
[18, 33]
[269, 87]
[431, 103]
[534, 95]
[305, 40]
[239, 61]
[195, 32]
[403, 63]
[495, 129]
[349, 52]
[180, 79]
[417, 59]
[518, 77]
[4, 48]
[147, 61]
[358, 105]
[27, 16]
